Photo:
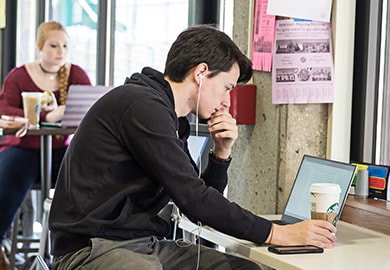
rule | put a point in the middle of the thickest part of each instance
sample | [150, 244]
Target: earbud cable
[200, 160]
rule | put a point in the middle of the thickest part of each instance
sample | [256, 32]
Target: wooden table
[356, 248]
[367, 212]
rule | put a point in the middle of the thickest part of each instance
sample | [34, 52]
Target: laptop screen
[316, 170]
[80, 99]
[197, 145]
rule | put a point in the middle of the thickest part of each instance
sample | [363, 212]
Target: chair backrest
[35, 262]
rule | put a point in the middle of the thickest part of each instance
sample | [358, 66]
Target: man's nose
[226, 100]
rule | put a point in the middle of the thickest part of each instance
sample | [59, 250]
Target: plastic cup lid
[325, 188]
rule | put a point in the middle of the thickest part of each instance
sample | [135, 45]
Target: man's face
[215, 91]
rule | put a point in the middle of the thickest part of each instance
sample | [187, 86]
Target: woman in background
[20, 157]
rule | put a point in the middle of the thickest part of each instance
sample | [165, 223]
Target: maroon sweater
[18, 81]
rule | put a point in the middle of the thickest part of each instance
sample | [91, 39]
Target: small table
[356, 248]
[46, 134]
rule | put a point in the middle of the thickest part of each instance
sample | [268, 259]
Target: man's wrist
[218, 159]
[270, 236]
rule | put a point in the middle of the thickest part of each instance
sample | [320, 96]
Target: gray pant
[149, 253]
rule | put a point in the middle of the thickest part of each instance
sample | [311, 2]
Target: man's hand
[319, 233]
[224, 131]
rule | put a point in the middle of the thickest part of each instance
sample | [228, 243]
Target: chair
[35, 262]
[20, 243]
[29, 245]
[44, 243]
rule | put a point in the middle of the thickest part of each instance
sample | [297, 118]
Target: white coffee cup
[325, 199]
[32, 108]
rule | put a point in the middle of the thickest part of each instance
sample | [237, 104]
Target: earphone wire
[197, 125]
[182, 242]
[200, 159]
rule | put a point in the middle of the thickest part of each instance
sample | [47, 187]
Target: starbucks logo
[333, 208]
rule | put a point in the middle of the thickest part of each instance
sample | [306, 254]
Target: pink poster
[263, 36]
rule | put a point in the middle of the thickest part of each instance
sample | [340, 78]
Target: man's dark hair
[204, 44]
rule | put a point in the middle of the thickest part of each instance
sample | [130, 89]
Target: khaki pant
[149, 253]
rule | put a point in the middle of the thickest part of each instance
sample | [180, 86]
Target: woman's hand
[224, 130]
[11, 124]
[48, 102]
[319, 233]
[55, 115]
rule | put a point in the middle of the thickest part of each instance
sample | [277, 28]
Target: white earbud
[200, 78]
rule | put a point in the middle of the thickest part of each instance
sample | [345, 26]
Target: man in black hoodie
[129, 158]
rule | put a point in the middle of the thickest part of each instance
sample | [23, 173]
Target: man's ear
[200, 70]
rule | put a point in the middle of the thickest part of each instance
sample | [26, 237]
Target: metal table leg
[46, 160]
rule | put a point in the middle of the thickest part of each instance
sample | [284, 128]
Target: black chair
[35, 262]
[29, 245]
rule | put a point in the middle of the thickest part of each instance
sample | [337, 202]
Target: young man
[129, 158]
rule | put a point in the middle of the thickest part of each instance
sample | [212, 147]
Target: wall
[267, 154]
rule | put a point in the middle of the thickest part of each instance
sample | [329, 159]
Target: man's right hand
[319, 233]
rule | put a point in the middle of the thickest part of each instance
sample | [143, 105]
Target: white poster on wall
[316, 10]
[302, 68]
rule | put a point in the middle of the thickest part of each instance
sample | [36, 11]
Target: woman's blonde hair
[43, 33]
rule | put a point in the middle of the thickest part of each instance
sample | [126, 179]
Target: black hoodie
[127, 159]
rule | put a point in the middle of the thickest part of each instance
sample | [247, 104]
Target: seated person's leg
[18, 170]
[182, 255]
[105, 254]
[27, 210]
[149, 253]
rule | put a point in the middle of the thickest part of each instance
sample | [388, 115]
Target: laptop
[199, 144]
[315, 170]
[80, 98]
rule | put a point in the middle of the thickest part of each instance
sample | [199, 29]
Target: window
[370, 140]
[142, 32]
[26, 32]
[80, 19]
[383, 123]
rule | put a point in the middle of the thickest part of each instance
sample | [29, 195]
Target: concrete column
[266, 155]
